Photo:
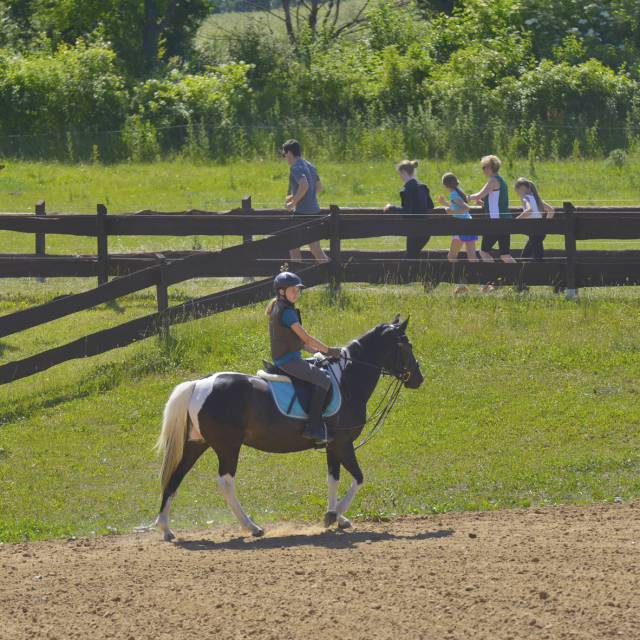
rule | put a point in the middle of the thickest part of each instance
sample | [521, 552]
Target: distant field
[218, 27]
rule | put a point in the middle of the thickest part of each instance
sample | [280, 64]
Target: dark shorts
[503, 240]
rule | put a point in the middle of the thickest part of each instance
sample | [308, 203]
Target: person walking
[302, 199]
[533, 207]
[416, 199]
[494, 197]
[458, 206]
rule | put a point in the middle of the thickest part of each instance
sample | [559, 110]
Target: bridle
[380, 414]
[401, 373]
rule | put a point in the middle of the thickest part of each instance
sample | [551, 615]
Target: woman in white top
[533, 206]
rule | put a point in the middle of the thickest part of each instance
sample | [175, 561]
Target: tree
[438, 6]
[315, 17]
[172, 21]
[15, 22]
[144, 33]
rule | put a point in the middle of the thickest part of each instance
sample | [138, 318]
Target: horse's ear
[403, 327]
[396, 319]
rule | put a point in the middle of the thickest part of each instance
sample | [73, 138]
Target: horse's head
[398, 353]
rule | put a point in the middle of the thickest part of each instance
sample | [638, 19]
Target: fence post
[40, 237]
[162, 296]
[246, 238]
[335, 266]
[570, 249]
[246, 208]
[103, 250]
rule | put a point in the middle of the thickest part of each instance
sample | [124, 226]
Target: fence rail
[570, 268]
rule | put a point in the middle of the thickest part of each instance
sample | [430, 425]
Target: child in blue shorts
[458, 206]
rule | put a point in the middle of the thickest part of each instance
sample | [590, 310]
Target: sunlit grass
[527, 400]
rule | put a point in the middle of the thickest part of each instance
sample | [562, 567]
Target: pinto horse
[227, 410]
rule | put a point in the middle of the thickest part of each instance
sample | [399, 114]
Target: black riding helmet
[287, 279]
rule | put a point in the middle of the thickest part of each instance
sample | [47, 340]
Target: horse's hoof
[344, 523]
[168, 535]
[257, 532]
[331, 517]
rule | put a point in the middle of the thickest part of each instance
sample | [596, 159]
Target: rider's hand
[334, 352]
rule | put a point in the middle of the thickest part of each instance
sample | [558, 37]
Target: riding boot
[316, 428]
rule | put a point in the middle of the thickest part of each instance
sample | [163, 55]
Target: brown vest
[283, 339]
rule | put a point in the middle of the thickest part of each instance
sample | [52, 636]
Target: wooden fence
[261, 258]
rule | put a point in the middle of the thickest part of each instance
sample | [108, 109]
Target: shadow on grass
[113, 305]
[6, 348]
[326, 539]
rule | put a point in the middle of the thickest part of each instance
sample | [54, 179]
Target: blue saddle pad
[284, 392]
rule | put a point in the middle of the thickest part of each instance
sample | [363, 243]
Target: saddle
[293, 396]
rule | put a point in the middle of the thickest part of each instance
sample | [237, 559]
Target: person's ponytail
[270, 306]
[536, 195]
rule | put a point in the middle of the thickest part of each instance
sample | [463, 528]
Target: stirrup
[318, 433]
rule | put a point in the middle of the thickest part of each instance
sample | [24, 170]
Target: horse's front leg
[347, 457]
[333, 479]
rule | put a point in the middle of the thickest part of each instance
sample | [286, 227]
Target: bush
[617, 158]
[75, 89]
[140, 140]
[514, 76]
[588, 102]
[218, 101]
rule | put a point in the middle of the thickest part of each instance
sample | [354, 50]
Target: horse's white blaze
[333, 494]
[226, 483]
[344, 504]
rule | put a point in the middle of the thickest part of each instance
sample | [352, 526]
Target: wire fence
[346, 139]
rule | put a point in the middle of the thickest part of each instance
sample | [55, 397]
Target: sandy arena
[566, 572]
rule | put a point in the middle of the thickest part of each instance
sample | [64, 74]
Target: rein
[380, 414]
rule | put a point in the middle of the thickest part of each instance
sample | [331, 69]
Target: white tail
[174, 430]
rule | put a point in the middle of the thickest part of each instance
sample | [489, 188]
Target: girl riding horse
[226, 410]
[288, 338]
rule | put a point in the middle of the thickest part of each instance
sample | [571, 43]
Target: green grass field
[179, 185]
[528, 399]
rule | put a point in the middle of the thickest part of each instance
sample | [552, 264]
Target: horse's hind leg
[228, 464]
[192, 451]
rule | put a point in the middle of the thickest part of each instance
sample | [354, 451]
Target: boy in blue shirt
[304, 187]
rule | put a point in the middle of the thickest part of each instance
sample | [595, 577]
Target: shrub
[47, 95]
[574, 101]
[218, 101]
[617, 158]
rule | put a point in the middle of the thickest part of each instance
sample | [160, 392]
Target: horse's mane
[366, 338]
